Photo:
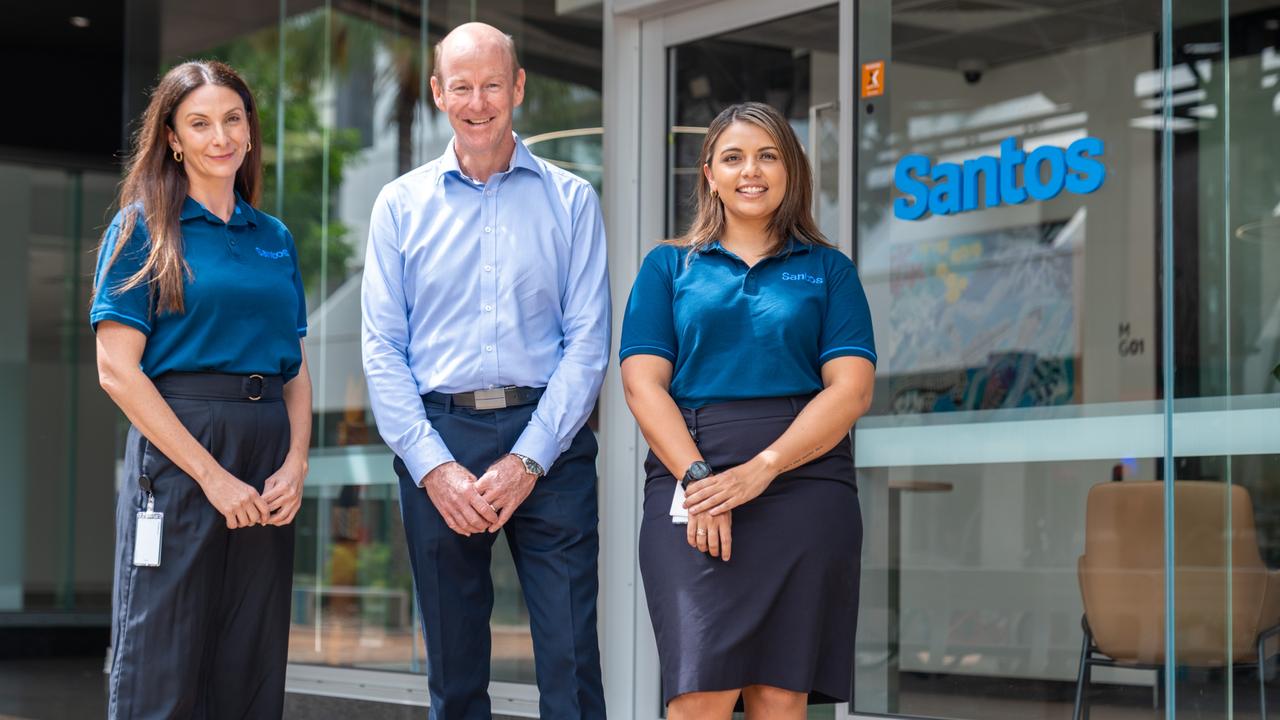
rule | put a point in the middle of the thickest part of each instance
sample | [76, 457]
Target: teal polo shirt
[245, 309]
[734, 332]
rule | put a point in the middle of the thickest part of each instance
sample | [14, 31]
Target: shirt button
[488, 268]
[488, 348]
[488, 229]
[489, 193]
[488, 308]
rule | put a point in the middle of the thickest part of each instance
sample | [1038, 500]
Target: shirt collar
[520, 158]
[244, 214]
[791, 247]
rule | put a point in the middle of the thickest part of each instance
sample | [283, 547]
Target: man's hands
[455, 493]
[473, 505]
[504, 486]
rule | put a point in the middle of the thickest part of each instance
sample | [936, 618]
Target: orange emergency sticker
[873, 79]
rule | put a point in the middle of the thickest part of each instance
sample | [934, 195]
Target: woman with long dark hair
[747, 355]
[199, 314]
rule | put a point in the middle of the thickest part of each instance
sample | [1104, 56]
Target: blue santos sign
[955, 189]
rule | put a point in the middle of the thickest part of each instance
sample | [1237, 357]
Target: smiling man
[486, 337]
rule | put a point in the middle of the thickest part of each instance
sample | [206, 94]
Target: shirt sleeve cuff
[424, 457]
[538, 444]
[133, 322]
[847, 351]
[646, 350]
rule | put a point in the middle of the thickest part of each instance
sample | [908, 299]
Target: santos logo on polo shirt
[802, 276]
[273, 254]
[1044, 174]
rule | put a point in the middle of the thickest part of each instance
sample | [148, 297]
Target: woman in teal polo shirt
[199, 315]
[747, 355]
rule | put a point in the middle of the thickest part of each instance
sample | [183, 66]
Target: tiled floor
[53, 689]
[75, 689]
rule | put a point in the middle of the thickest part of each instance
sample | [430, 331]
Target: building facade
[1066, 217]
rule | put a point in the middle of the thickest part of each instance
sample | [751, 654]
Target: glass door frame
[659, 35]
[639, 35]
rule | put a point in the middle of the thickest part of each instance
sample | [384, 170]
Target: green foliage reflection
[302, 192]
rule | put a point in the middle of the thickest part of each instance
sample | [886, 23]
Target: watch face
[531, 466]
[699, 471]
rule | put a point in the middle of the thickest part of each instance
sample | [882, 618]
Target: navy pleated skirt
[783, 610]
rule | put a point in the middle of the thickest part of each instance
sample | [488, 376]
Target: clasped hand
[725, 491]
[243, 506]
[474, 505]
[712, 535]
[282, 492]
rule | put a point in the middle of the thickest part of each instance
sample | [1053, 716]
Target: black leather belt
[220, 386]
[491, 399]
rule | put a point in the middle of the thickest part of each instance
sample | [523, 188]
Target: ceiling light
[79, 21]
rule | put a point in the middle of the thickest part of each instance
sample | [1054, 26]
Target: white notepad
[679, 515]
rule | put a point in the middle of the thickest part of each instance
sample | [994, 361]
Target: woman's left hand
[283, 493]
[711, 535]
[725, 491]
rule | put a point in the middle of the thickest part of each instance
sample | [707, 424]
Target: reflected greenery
[314, 156]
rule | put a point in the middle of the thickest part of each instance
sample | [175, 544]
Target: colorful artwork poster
[983, 321]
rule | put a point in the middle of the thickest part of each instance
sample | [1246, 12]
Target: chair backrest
[1122, 573]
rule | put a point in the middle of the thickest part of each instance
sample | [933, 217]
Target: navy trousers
[205, 635]
[554, 543]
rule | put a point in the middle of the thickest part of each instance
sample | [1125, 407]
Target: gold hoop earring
[248, 146]
[177, 155]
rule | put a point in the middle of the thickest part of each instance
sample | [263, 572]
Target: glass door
[1066, 230]
[791, 63]
[721, 54]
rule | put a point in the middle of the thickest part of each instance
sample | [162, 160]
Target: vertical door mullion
[845, 187]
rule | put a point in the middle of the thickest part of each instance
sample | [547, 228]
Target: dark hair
[793, 218]
[155, 184]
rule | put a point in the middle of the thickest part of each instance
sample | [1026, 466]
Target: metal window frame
[398, 688]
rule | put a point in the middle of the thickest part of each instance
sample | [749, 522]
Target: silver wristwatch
[531, 466]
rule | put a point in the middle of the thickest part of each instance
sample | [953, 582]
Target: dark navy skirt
[783, 611]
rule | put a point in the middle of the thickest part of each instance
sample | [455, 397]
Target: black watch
[699, 470]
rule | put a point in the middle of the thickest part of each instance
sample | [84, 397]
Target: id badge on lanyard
[150, 526]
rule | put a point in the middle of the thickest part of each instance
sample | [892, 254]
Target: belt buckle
[491, 399]
[262, 382]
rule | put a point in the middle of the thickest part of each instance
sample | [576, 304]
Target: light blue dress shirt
[470, 285]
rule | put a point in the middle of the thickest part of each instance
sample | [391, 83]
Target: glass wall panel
[1066, 237]
[1226, 349]
[55, 555]
[345, 104]
[1009, 238]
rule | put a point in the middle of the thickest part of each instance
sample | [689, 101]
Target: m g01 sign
[1010, 179]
